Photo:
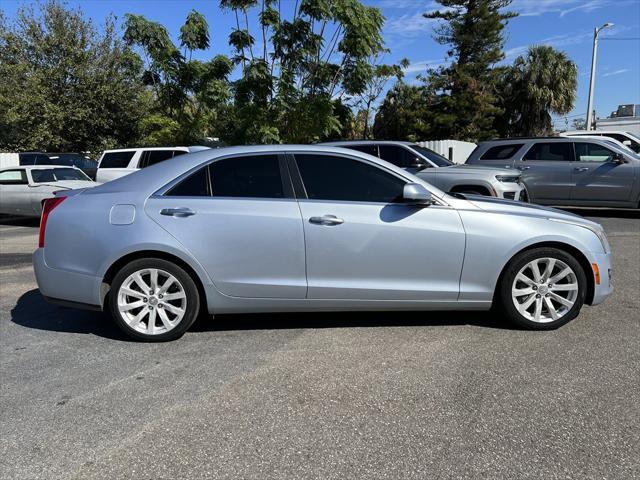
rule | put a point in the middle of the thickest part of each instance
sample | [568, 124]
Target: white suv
[626, 138]
[118, 163]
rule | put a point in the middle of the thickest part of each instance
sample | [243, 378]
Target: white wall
[461, 150]
[9, 159]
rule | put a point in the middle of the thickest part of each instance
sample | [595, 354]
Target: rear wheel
[542, 289]
[153, 300]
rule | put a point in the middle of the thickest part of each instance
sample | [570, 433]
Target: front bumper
[602, 291]
[511, 191]
[66, 287]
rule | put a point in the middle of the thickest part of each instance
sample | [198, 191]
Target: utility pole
[592, 81]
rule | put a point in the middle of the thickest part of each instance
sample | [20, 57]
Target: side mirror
[418, 163]
[417, 194]
[618, 158]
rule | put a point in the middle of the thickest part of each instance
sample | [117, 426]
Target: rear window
[552, 152]
[116, 159]
[57, 174]
[501, 152]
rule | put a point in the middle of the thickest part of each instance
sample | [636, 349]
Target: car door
[598, 177]
[238, 218]
[362, 242]
[14, 192]
[547, 171]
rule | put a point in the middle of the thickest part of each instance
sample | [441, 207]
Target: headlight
[598, 231]
[508, 178]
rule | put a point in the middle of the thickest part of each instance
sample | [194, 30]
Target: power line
[619, 38]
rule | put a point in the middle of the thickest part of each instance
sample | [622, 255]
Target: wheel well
[577, 254]
[121, 262]
[476, 188]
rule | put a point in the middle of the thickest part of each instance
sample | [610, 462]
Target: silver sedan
[308, 228]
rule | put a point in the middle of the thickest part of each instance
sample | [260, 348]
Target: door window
[255, 176]
[591, 152]
[551, 151]
[328, 177]
[13, 177]
[400, 157]
[195, 185]
[501, 152]
[151, 157]
[116, 159]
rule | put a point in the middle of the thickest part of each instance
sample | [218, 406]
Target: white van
[123, 161]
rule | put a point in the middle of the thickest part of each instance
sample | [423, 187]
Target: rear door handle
[581, 169]
[326, 220]
[177, 212]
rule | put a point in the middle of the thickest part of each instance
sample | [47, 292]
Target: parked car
[118, 163]
[22, 189]
[77, 160]
[308, 228]
[438, 171]
[626, 138]
[570, 171]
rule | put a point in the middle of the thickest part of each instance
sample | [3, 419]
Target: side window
[399, 156]
[255, 176]
[591, 152]
[116, 159]
[370, 149]
[552, 151]
[501, 152]
[42, 175]
[13, 177]
[329, 177]
[195, 185]
[151, 157]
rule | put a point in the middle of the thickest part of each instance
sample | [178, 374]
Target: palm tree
[535, 87]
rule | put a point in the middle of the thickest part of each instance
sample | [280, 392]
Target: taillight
[47, 207]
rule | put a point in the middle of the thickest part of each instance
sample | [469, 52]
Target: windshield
[57, 174]
[436, 158]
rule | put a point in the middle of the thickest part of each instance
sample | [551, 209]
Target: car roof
[148, 180]
[136, 149]
[366, 142]
[593, 132]
[37, 167]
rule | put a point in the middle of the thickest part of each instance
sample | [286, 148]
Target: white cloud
[422, 66]
[408, 25]
[615, 72]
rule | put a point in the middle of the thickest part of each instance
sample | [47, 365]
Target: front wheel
[542, 289]
[153, 300]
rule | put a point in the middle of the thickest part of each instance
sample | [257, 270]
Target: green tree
[464, 91]
[404, 114]
[190, 95]
[534, 87]
[66, 85]
[295, 75]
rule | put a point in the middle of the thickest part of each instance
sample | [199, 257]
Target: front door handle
[326, 220]
[523, 168]
[177, 212]
[581, 169]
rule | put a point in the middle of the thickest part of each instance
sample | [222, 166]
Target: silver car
[308, 228]
[22, 189]
[440, 172]
[571, 171]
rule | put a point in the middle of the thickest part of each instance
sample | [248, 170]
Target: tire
[539, 307]
[173, 306]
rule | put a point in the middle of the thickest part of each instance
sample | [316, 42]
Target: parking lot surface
[367, 395]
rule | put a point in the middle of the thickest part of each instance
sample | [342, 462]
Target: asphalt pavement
[326, 396]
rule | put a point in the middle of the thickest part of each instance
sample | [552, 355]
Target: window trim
[287, 186]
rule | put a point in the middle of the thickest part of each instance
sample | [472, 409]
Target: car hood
[510, 207]
[470, 170]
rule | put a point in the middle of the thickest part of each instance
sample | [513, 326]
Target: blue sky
[565, 24]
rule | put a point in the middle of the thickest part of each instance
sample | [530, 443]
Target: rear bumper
[602, 291]
[65, 287]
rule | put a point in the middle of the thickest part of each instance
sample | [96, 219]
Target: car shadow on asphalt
[33, 311]
[13, 221]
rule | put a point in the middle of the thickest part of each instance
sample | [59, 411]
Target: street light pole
[592, 80]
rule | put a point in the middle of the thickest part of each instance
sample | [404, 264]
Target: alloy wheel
[545, 290]
[152, 301]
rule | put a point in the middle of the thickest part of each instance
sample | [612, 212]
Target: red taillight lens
[47, 207]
